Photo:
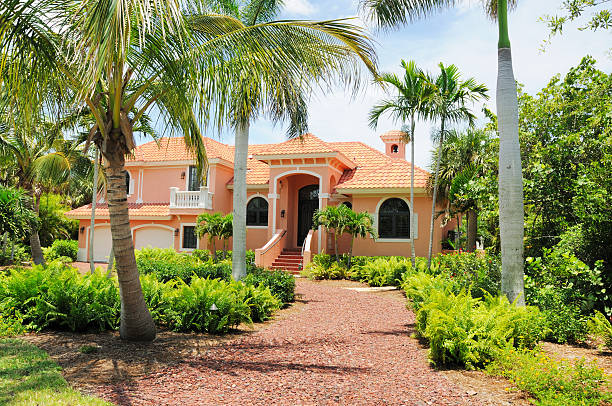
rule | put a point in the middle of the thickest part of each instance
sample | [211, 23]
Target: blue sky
[462, 36]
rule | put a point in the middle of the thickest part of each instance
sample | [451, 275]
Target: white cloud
[299, 7]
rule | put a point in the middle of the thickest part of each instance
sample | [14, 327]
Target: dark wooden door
[308, 203]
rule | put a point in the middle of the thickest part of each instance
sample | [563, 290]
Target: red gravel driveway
[343, 347]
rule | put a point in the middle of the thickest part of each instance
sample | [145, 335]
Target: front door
[308, 203]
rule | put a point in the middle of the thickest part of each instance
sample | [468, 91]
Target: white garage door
[102, 243]
[155, 237]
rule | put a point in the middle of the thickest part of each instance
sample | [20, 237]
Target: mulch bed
[333, 346]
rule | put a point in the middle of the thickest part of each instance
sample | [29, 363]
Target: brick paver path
[343, 347]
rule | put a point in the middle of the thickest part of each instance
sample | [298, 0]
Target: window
[190, 241]
[394, 219]
[127, 182]
[394, 149]
[257, 212]
[193, 184]
[348, 204]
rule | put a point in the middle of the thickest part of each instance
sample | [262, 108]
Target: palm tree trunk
[412, 250]
[111, 262]
[240, 201]
[511, 211]
[350, 256]
[472, 223]
[92, 225]
[136, 321]
[37, 254]
[336, 248]
[435, 195]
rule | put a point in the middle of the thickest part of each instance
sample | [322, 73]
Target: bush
[382, 271]
[468, 331]
[11, 325]
[566, 290]
[552, 382]
[281, 284]
[600, 327]
[21, 254]
[62, 248]
[167, 264]
[472, 271]
[318, 271]
[58, 297]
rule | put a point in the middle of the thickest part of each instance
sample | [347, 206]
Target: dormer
[395, 144]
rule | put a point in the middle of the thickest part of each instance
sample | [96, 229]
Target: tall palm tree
[465, 155]
[186, 62]
[511, 212]
[282, 94]
[414, 95]
[449, 105]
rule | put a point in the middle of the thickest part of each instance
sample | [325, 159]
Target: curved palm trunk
[435, 195]
[240, 201]
[511, 212]
[37, 254]
[472, 230]
[136, 321]
[412, 250]
[92, 225]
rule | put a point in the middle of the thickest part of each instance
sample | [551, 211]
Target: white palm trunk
[435, 196]
[511, 213]
[240, 201]
[412, 253]
[94, 196]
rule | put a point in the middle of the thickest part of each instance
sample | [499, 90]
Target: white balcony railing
[201, 199]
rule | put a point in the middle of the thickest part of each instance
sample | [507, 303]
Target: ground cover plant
[550, 381]
[43, 384]
[59, 297]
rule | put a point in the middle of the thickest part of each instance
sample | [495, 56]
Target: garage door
[155, 237]
[102, 243]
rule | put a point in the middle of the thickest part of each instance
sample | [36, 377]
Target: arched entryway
[308, 203]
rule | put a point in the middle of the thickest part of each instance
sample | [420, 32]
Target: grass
[28, 376]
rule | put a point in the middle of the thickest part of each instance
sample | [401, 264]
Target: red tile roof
[135, 210]
[374, 168]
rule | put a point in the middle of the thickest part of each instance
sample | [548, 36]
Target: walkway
[342, 347]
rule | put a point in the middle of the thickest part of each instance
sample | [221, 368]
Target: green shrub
[21, 254]
[261, 301]
[382, 271]
[62, 248]
[59, 297]
[600, 327]
[281, 284]
[167, 264]
[566, 290]
[552, 382]
[190, 307]
[318, 271]
[478, 273]
[202, 255]
[468, 331]
[11, 324]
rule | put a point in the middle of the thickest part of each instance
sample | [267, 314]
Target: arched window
[127, 182]
[257, 212]
[394, 219]
[394, 149]
[348, 204]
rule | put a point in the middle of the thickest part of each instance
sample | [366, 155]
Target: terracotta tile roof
[374, 168]
[393, 134]
[307, 144]
[395, 174]
[174, 149]
[135, 210]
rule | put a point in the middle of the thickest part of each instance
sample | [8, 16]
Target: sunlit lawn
[28, 376]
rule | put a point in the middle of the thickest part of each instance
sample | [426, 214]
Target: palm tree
[281, 95]
[359, 225]
[511, 212]
[464, 156]
[181, 60]
[414, 93]
[449, 105]
[210, 225]
[226, 231]
[336, 218]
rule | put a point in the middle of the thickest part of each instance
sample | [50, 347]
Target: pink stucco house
[286, 183]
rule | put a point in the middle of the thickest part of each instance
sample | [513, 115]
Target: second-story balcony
[199, 199]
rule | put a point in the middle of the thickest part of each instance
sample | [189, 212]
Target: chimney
[395, 144]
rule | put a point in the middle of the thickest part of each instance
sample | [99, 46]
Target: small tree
[335, 219]
[360, 225]
[226, 231]
[210, 224]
